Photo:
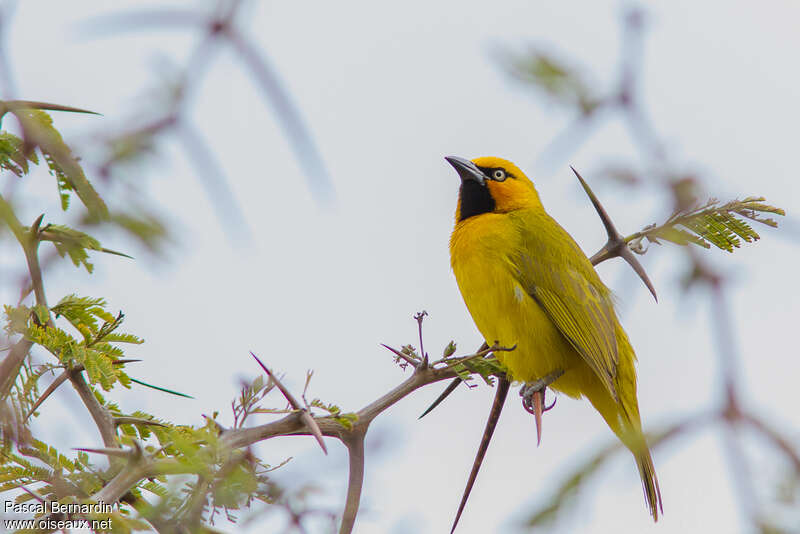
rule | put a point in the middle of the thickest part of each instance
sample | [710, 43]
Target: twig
[355, 452]
[740, 469]
[32, 494]
[14, 105]
[60, 379]
[408, 359]
[11, 364]
[212, 175]
[494, 415]
[451, 387]
[129, 420]
[329, 426]
[101, 416]
[616, 246]
[289, 116]
[8, 87]
[419, 317]
[305, 416]
[775, 437]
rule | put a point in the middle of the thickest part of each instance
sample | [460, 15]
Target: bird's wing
[573, 297]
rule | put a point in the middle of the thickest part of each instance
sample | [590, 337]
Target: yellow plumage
[527, 283]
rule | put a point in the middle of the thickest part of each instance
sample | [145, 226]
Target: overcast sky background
[389, 89]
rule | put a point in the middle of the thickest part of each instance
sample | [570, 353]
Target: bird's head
[491, 185]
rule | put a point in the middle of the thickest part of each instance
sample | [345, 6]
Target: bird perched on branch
[527, 284]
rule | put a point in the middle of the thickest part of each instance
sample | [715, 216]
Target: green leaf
[723, 226]
[75, 244]
[39, 132]
[12, 157]
[16, 319]
[555, 79]
[83, 311]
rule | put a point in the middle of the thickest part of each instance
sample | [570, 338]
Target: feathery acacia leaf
[555, 79]
[39, 132]
[721, 225]
[12, 156]
[74, 243]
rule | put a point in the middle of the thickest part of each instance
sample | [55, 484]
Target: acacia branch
[141, 466]
[29, 239]
[101, 416]
[292, 424]
[775, 437]
[616, 246]
[355, 481]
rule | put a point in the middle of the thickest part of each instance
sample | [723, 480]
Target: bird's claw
[527, 402]
[533, 399]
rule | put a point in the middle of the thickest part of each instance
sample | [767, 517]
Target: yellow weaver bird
[527, 284]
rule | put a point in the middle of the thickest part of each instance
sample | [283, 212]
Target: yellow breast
[481, 258]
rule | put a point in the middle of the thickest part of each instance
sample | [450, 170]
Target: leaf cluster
[723, 225]
[40, 134]
[555, 79]
[95, 350]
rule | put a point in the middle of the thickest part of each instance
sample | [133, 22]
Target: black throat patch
[475, 199]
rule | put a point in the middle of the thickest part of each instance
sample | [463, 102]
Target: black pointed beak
[466, 169]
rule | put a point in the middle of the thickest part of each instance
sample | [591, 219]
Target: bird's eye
[499, 175]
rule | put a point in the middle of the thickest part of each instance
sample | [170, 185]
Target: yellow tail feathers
[652, 493]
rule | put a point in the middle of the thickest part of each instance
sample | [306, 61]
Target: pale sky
[388, 90]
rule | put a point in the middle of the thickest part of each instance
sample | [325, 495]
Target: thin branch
[288, 114]
[616, 246]
[129, 420]
[11, 364]
[101, 416]
[775, 437]
[33, 494]
[212, 175]
[15, 105]
[451, 387]
[8, 87]
[355, 452]
[330, 426]
[31, 249]
[408, 359]
[305, 416]
[60, 379]
[494, 415]
[420, 317]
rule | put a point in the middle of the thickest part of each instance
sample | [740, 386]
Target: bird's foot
[533, 399]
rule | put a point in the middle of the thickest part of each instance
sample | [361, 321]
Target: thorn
[312, 425]
[628, 256]
[419, 318]
[616, 246]
[50, 389]
[220, 428]
[122, 453]
[36, 224]
[401, 355]
[125, 420]
[305, 416]
[494, 415]
[159, 388]
[14, 105]
[450, 388]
